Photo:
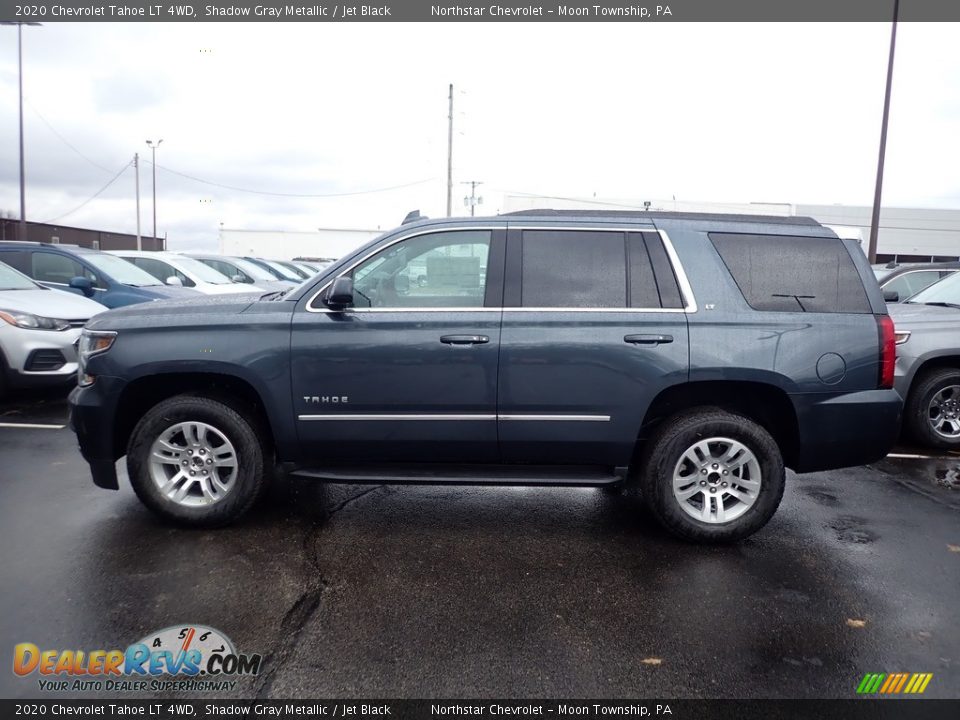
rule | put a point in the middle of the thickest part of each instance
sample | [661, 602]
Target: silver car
[927, 372]
[38, 329]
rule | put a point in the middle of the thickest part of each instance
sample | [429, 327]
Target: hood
[194, 311]
[232, 289]
[914, 314]
[50, 303]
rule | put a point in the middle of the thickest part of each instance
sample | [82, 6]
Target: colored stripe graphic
[894, 683]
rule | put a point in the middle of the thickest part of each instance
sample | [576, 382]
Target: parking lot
[491, 592]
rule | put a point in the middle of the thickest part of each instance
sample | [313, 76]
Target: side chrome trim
[443, 417]
[690, 302]
[560, 418]
[399, 416]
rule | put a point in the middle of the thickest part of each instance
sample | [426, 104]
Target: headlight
[92, 342]
[32, 322]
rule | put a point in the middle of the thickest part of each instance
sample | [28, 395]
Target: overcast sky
[731, 112]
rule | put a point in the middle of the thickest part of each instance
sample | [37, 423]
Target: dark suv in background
[697, 355]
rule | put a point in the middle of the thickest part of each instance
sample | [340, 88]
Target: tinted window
[667, 286]
[573, 269]
[642, 284]
[793, 274]
[53, 268]
[436, 270]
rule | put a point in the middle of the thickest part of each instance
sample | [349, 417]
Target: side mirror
[891, 296]
[238, 278]
[174, 280]
[84, 285]
[340, 294]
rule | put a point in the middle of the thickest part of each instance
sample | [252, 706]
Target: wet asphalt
[433, 592]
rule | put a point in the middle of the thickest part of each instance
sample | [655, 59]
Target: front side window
[439, 270]
[53, 268]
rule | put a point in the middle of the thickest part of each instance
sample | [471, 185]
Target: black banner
[912, 709]
[473, 11]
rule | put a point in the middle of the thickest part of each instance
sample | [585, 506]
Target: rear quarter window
[786, 273]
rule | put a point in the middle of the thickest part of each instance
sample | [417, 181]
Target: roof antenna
[413, 216]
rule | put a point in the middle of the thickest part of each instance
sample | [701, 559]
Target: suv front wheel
[712, 476]
[196, 461]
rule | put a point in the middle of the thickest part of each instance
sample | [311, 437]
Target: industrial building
[65, 235]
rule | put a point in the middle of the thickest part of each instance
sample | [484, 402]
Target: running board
[426, 474]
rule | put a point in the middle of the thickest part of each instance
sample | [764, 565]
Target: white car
[38, 331]
[174, 269]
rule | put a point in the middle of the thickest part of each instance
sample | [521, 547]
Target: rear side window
[574, 269]
[784, 273]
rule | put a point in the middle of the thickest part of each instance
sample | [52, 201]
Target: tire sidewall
[665, 456]
[249, 450]
[929, 387]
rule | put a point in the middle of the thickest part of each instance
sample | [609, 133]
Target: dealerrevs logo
[181, 651]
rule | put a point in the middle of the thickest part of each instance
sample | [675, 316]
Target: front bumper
[93, 413]
[845, 430]
[28, 355]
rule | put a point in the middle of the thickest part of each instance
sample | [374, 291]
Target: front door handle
[464, 339]
[648, 339]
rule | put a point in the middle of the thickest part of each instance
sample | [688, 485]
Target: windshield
[287, 274]
[10, 279]
[120, 270]
[201, 272]
[251, 269]
[945, 291]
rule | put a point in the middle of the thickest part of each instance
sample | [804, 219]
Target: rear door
[594, 326]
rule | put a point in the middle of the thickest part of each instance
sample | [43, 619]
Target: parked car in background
[572, 349]
[294, 268]
[38, 329]
[97, 275]
[180, 270]
[900, 282]
[928, 363]
[310, 267]
[243, 271]
[277, 270]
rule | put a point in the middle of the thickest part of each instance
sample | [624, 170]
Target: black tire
[917, 411]
[663, 452]
[248, 485]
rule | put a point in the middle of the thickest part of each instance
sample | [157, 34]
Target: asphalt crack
[305, 608]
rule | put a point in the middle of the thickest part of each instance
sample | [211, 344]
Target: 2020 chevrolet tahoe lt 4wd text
[697, 355]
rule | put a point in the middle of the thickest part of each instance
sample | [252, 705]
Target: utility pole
[153, 147]
[450, 155]
[22, 225]
[472, 200]
[875, 219]
[136, 173]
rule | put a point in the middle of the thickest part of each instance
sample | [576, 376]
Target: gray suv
[696, 355]
[928, 363]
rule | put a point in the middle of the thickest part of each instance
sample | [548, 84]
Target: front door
[408, 373]
[594, 327]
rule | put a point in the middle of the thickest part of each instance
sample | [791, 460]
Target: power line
[65, 141]
[92, 197]
[292, 195]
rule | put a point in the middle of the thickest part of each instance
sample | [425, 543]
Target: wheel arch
[144, 392]
[765, 404]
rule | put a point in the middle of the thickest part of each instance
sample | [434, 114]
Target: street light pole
[136, 172]
[153, 148]
[22, 225]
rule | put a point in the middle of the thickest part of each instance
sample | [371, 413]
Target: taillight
[888, 350]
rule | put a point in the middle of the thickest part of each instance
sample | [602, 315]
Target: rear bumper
[92, 418]
[845, 430]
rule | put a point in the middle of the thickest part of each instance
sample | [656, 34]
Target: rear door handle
[464, 339]
[648, 339]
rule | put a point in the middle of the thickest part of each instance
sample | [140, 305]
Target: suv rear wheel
[712, 476]
[196, 461]
[932, 414]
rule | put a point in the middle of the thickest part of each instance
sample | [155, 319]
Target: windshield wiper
[276, 294]
[797, 298]
[943, 304]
